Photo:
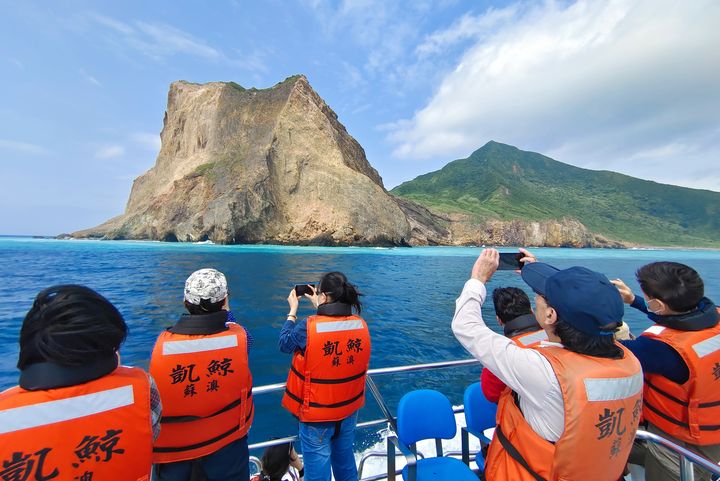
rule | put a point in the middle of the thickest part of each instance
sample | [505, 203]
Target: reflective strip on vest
[708, 346]
[51, 412]
[613, 389]
[541, 335]
[199, 345]
[338, 326]
[655, 330]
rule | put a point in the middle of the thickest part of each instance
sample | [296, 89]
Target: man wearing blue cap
[573, 403]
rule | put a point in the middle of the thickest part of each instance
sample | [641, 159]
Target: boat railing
[687, 457]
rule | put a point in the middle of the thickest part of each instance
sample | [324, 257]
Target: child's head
[679, 287]
[276, 461]
[510, 303]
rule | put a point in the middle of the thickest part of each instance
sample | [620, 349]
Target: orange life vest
[327, 381]
[689, 411]
[530, 339]
[602, 400]
[206, 390]
[100, 429]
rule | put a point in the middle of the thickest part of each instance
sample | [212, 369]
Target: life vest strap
[249, 415]
[319, 405]
[317, 380]
[178, 449]
[669, 396]
[190, 418]
[515, 454]
[705, 427]
[665, 394]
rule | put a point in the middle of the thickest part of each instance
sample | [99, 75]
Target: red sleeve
[492, 387]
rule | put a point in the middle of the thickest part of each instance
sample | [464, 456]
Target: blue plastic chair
[479, 416]
[426, 414]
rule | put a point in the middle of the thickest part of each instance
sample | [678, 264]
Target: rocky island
[239, 166]
[260, 166]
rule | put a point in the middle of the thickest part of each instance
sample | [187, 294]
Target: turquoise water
[409, 299]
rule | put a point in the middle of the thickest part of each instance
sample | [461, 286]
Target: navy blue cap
[583, 298]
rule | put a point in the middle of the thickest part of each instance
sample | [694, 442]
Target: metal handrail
[267, 388]
[382, 370]
[686, 470]
[423, 367]
[388, 419]
[381, 402]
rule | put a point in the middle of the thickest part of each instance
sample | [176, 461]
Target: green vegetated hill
[502, 182]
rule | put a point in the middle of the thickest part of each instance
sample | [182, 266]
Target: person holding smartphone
[574, 401]
[326, 382]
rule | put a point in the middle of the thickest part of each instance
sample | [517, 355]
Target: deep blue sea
[408, 302]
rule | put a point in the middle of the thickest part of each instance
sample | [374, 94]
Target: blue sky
[630, 86]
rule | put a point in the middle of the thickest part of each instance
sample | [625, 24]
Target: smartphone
[302, 289]
[510, 261]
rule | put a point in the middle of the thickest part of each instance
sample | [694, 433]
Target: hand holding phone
[510, 261]
[302, 289]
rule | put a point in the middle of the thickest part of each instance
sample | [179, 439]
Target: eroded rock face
[566, 232]
[244, 165]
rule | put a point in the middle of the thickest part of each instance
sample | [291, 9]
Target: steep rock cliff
[245, 165]
[564, 232]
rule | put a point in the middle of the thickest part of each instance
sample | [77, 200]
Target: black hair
[677, 285]
[577, 341]
[205, 307]
[335, 285]
[275, 462]
[70, 325]
[510, 303]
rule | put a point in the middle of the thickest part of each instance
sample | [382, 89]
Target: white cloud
[361, 108]
[22, 147]
[146, 140]
[689, 160]
[162, 40]
[17, 63]
[253, 61]
[110, 152]
[156, 40]
[468, 26]
[387, 31]
[618, 85]
[353, 76]
[90, 78]
[113, 24]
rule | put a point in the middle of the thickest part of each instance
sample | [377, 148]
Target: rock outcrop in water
[275, 165]
[245, 166]
[565, 232]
